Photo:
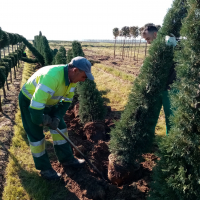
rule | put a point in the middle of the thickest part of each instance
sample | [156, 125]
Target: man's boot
[50, 174]
[77, 163]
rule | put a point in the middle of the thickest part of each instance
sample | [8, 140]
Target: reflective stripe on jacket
[48, 86]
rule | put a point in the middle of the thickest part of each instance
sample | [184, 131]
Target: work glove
[54, 124]
[46, 120]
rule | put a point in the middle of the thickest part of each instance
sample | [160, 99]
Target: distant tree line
[129, 32]
[11, 60]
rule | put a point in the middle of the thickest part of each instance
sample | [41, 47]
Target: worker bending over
[44, 100]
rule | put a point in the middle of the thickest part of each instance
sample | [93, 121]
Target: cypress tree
[91, 106]
[2, 76]
[9, 66]
[60, 57]
[91, 103]
[177, 174]
[69, 55]
[42, 45]
[4, 42]
[29, 60]
[34, 51]
[77, 49]
[131, 136]
[1, 33]
[46, 51]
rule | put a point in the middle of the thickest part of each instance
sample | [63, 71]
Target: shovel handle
[86, 159]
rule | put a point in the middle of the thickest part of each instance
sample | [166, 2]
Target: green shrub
[134, 133]
[60, 57]
[91, 106]
[69, 55]
[77, 49]
[177, 174]
[29, 60]
[34, 51]
[2, 76]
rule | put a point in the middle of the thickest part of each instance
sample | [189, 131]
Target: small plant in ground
[177, 174]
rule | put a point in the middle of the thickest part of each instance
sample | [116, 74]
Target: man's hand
[54, 124]
[46, 120]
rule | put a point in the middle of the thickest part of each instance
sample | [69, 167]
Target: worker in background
[150, 34]
[44, 100]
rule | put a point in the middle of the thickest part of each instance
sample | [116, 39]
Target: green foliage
[134, 31]
[61, 57]
[4, 40]
[115, 32]
[69, 55]
[125, 32]
[1, 33]
[13, 59]
[42, 45]
[77, 49]
[177, 174]
[133, 134]
[6, 69]
[7, 60]
[34, 51]
[29, 60]
[19, 53]
[2, 76]
[91, 106]
[47, 51]
[54, 52]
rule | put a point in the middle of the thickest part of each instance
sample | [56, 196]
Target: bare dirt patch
[127, 65]
[7, 117]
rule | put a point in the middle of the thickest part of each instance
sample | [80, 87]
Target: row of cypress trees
[12, 59]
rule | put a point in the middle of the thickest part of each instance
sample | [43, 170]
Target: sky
[78, 19]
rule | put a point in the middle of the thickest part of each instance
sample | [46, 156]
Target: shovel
[86, 159]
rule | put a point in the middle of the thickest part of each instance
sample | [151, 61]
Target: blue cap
[84, 65]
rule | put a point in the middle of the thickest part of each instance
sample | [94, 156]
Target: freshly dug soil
[94, 131]
[85, 183]
[118, 174]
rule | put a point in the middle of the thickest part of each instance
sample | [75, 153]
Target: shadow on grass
[40, 189]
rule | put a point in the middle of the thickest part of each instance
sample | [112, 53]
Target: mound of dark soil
[85, 183]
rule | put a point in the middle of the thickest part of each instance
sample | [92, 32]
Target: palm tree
[116, 34]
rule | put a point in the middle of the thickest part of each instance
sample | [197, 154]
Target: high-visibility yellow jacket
[46, 88]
